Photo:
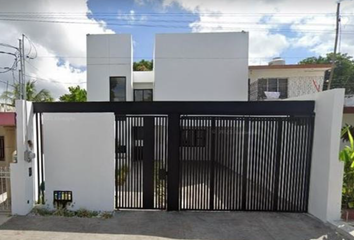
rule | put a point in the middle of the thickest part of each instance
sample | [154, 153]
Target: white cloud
[131, 17]
[274, 25]
[53, 40]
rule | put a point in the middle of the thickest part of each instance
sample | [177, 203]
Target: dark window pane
[117, 89]
[187, 138]
[138, 95]
[262, 87]
[138, 153]
[283, 87]
[272, 85]
[2, 148]
[122, 149]
[200, 138]
[147, 95]
[143, 95]
[138, 133]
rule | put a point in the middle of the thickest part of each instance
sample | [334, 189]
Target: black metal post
[148, 163]
[173, 162]
[277, 165]
[212, 162]
[245, 161]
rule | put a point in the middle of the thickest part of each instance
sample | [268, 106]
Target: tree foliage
[143, 65]
[31, 94]
[76, 94]
[343, 73]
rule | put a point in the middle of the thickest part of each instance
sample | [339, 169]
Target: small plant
[122, 175]
[106, 215]
[347, 156]
[64, 212]
[41, 211]
[84, 213]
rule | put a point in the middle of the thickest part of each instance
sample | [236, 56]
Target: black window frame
[143, 94]
[279, 81]
[193, 137]
[138, 133]
[2, 148]
[111, 98]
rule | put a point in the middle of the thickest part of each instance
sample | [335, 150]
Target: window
[138, 133]
[143, 95]
[272, 85]
[117, 86]
[2, 148]
[193, 138]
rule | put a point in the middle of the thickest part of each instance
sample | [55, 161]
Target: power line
[164, 13]
[326, 31]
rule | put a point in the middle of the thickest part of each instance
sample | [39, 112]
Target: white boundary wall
[326, 169]
[22, 185]
[79, 157]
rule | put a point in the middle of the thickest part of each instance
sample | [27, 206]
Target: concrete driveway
[131, 225]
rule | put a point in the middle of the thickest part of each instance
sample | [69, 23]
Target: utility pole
[335, 48]
[23, 68]
[20, 73]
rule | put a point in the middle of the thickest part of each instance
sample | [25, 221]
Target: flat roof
[289, 66]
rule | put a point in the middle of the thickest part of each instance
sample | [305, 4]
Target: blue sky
[144, 36]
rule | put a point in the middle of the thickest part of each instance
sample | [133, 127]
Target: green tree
[343, 73]
[143, 65]
[76, 94]
[31, 94]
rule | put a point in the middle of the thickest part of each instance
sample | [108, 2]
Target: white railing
[5, 192]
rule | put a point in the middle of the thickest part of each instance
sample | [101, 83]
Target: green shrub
[347, 156]
[84, 213]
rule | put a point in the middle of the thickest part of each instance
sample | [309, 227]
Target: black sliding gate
[224, 156]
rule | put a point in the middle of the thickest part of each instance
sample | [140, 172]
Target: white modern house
[187, 67]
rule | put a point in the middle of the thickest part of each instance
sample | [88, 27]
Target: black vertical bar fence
[141, 162]
[178, 161]
[245, 163]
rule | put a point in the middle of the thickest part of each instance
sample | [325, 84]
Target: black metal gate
[222, 156]
[245, 163]
[141, 161]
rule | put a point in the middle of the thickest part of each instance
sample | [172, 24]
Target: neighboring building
[187, 67]
[7, 138]
[286, 80]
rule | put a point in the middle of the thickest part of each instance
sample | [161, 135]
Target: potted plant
[347, 156]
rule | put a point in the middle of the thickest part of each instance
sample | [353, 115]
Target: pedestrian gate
[222, 156]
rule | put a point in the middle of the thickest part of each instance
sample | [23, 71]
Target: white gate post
[23, 172]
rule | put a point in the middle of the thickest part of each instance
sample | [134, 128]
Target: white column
[326, 170]
[22, 184]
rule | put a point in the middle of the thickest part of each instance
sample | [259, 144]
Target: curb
[343, 228]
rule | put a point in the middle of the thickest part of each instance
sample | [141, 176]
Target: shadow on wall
[174, 225]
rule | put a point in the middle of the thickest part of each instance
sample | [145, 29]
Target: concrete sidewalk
[4, 218]
[171, 225]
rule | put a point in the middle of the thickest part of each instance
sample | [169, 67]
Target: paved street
[170, 225]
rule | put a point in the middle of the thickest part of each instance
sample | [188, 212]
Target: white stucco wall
[23, 191]
[326, 169]
[108, 55]
[143, 80]
[201, 66]
[79, 157]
